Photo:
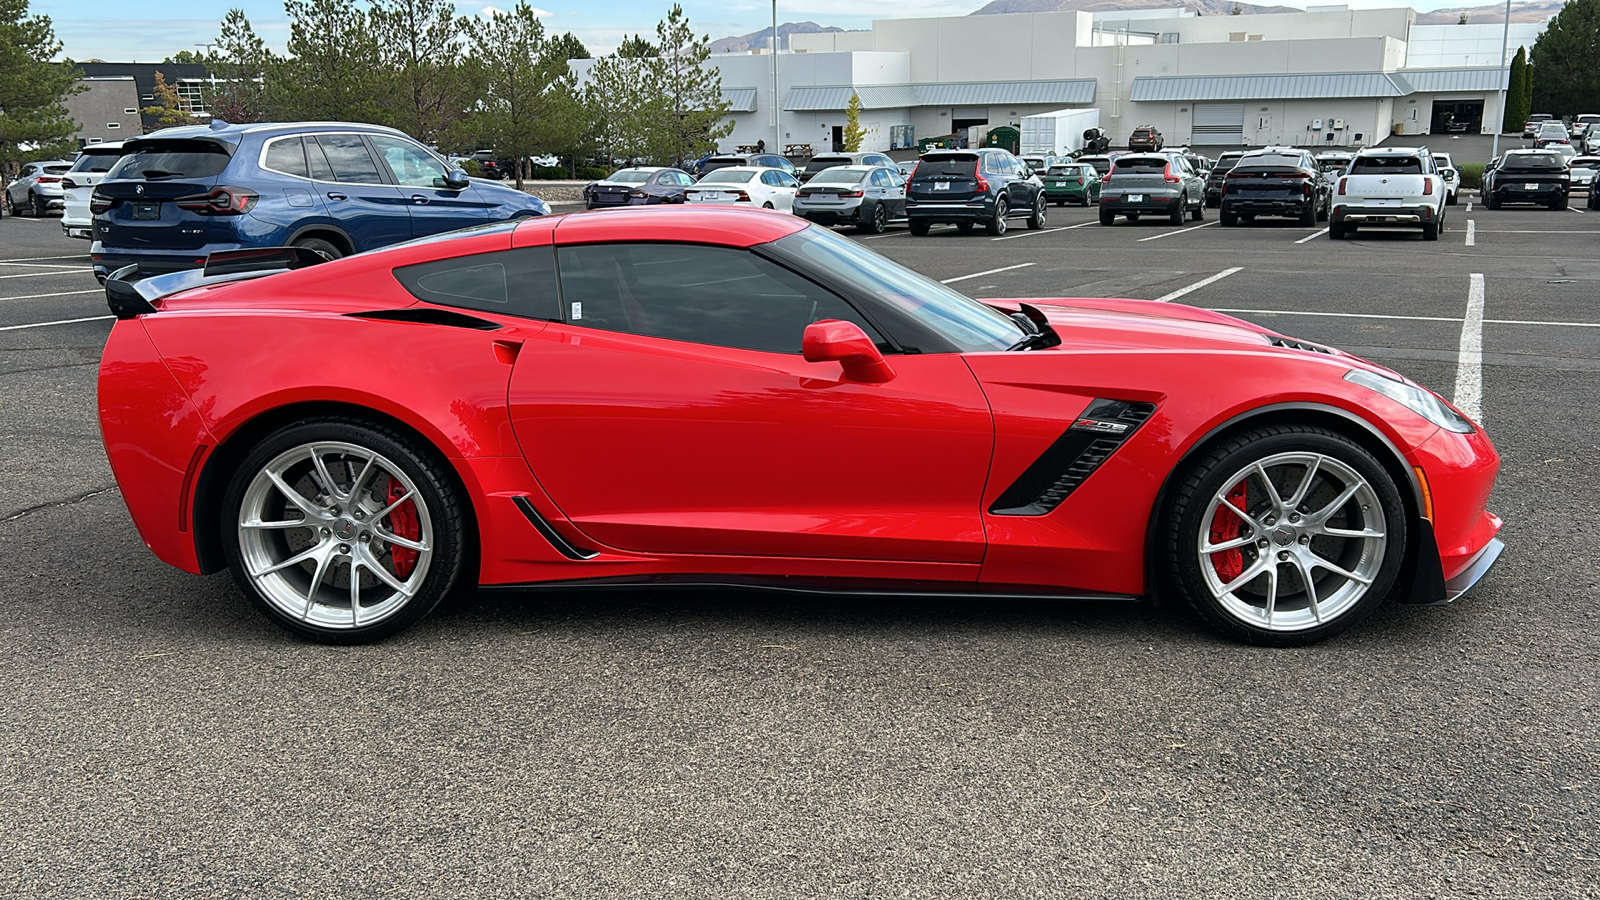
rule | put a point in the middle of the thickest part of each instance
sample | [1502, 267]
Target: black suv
[1276, 183]
[1147, 138]
[1219, 171]
[966, 187]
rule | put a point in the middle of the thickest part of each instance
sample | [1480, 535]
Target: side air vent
[423, 315]
[563, 546]
[1088, 442]
[1292, 344]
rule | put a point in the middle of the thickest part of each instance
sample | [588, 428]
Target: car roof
[1392, 151]
[728, 227]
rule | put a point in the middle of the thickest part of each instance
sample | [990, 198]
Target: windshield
[963, 164]
[96, 162]
[1386, 165]
[1586, 162]
[1270, 161]
[840, 175]
[629, 178]
[966, 323]
[1101, 164]
[1523, 162]
[172, 159]
[728, 176]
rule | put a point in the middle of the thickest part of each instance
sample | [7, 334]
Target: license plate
[710, 195]
[1394, 202]
[147, 210]
[1530, 187]
[1135, 198]
[941, 185]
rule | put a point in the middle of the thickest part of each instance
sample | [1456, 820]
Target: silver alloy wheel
[1308, 522]
[317, 535]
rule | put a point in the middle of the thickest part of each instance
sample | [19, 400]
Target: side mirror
[846, 343]
[456, 179]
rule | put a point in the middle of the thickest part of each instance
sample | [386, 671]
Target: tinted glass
[511, 282]
[965, 322]
[317, 161]
[690, 292]
[1532, 162]
[1271, 161]
[96, 162]
[839, 175]
[288, 156]
[963, 164]
[770, 177]
[818, 163]
[1586, 162]
[629, 178]
[412, 166]
[880, 178]
[1386, 165]
[1140, 165]
[348, 156]
[1101, 164]
[728, 176]
[172, 159]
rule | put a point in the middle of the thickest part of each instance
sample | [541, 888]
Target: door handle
[335, 195]
[418, 198]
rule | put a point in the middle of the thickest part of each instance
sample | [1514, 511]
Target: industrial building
[1329, 76]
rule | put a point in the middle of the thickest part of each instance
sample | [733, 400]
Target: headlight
[1421, 401]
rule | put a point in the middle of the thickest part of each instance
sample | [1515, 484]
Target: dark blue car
[334, 187]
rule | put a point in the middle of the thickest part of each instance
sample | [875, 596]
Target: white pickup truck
[1390, 187]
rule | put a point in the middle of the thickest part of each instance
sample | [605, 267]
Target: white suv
[78, 183]
[1390, 187]
[1450, 174]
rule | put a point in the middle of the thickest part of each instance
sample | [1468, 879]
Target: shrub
[1471, 174]
[549, 173]
[592, 173]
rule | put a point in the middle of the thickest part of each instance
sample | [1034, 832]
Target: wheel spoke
[1304, 487]
[294, 560]
[1272, 593]
[293, 496]
[1320, 563]
[378, 516]
[1272, 489]
[1239, 512]
[359, 480]
[1328, 512]
[1348, 533]
[316, 580]
[1310, 586]
[391, 538]
[1247, 576]
[385, 575]
[257, 523]
[1227, 545]
[355, 591]
[323, 475]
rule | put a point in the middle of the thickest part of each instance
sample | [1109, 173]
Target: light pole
[1505, 44]
[778, 106]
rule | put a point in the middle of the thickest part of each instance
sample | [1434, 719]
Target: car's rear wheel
[1327, 210]
[918, 229]
[1430, 231]
[1491, 201]
[344, 531]
[768, 205]
[11, 205]
[1308, 216]
[1336, 231]
[878, 222]
[1228, 219]
[38, 204]
[1554, 204]
[1285, 535]
[1177, 214]
[1040, 216]
[1198, 214]
[318, 245]
[996, 225]
[1107, 216]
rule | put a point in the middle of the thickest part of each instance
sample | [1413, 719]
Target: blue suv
[338, 188]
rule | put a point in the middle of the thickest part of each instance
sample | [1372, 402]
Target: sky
[102, 29]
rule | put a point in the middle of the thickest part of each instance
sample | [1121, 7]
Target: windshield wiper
[158, 173]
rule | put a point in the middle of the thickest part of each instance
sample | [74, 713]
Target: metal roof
[740, 99]
[1441, 81]
[966, 93]
[1270, 87]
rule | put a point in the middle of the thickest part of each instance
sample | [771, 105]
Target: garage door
[1221, 123]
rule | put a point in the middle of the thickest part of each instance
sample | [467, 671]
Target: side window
[770, 177]
[348, 156]
[317, 161]
[288, 156]
[509, 282]
[696, 293]
[880, 178]
[412, 166]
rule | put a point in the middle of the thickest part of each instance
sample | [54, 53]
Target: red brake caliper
[402, 523]
[1225, 526]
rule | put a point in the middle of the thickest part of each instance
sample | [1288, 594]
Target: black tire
[768, 205]
[1450, 199]
[1336, 231]
[1308, 216]
[1491, 201]
[1327, 210]
[1247, 217]
[878, 223]
[1430, 231]
[1040, 216]
[37, 202]
[318, 245]
[12, 205]
[1341, 462]
[1198, 214]
[1178, 212]
[1107, 217]
[1554, 204]
[996, 225]
[1228, 219]
[918, 229]
[436, 492]
[1133, 217]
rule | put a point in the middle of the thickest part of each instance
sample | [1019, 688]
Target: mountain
[1203, 7]
[762, 40]
[1528, 11]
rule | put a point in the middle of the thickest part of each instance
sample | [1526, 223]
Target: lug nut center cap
[1283, 535]
[345, 530]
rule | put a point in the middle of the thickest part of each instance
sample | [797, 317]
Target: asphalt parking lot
[161, 739]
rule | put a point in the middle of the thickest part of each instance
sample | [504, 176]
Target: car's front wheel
[876, 223]
[344, 531]
[1285, 535]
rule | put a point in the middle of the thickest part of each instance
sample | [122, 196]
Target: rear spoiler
[128, 295]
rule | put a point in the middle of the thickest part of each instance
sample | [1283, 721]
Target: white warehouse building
[1328, 76]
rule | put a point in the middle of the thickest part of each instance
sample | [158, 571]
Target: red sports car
[722, 397]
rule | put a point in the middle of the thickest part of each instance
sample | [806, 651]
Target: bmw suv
[336, 188]
[988, 186]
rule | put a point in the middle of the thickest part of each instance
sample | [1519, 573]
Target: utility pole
[1505, 44]
[777, 102]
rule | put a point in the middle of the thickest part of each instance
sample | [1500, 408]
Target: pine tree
[1516, 112]
[239, 62]
[686, 96]
[420, 48]
[332, 71]
[853, 133]
[34, 123]
[515, 72]
[1565, 62]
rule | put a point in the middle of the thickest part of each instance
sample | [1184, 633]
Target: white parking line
[58, 294]
[1157, 237]
[37, 258]
[60, 322]
[36, 274]
[1312, 237]
[985, 272]
[34, 265]
[1333, 315]
[1168, 298]
[1472, 233]
[1028, 233]
[879, 237]
[1500, 231]
[1469, 368]
[1575, 209]
[1469, 206]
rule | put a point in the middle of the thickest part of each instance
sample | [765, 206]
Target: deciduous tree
[168, 107]
[34, 123]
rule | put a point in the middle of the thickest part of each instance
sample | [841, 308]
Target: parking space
[627, 745]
